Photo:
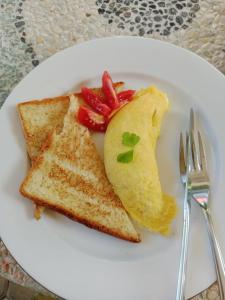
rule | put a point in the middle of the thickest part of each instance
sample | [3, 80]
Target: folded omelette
[136, 180]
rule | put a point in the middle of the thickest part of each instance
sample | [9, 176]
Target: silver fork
[185, 166]
[197, 180]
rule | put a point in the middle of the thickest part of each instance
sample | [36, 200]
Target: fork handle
[217, 254]
[184, 251]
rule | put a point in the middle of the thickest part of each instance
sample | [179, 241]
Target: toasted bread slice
[69, 177]
[40, 117]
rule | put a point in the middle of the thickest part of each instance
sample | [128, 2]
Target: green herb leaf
[130, 139]
[125, 157]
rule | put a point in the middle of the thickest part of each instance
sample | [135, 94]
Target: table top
[32, 30]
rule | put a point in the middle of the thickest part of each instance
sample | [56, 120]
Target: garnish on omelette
[130, 140]
[136, 180]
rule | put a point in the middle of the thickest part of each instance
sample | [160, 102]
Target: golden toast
[40, 117]
[69, 177]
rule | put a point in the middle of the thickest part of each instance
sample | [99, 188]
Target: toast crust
[65, 98]
[46, 101]
[80, 219]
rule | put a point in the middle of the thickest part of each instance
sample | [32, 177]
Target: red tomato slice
[109, 91]
[95, 101]
[91, 120]
[125, 95]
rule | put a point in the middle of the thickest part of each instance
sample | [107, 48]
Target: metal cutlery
[194, 175]
[185, 166]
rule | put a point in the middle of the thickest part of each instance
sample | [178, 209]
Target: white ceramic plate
[74, 261]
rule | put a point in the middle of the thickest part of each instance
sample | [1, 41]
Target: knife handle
[216, 252]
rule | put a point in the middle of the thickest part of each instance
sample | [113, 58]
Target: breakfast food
[40, 117]
[104, 106]
[67, 174]
[69, 177]
[131, 167]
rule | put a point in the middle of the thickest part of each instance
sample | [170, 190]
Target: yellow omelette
[137, 182]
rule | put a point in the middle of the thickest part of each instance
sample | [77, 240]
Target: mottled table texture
[32, 30]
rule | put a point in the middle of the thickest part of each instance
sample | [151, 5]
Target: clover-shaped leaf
[125, 157]
[130, 139]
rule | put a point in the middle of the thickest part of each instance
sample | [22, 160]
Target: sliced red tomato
[105, 106]
[91, 120]
[125, 95]
[95, 101]
[109, 91]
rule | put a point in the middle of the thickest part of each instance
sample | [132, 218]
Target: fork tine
[194, 151]
[202, 152]
[192, 120]
[182, 162]
[191, 149]
[187, 138]
[188, 154]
